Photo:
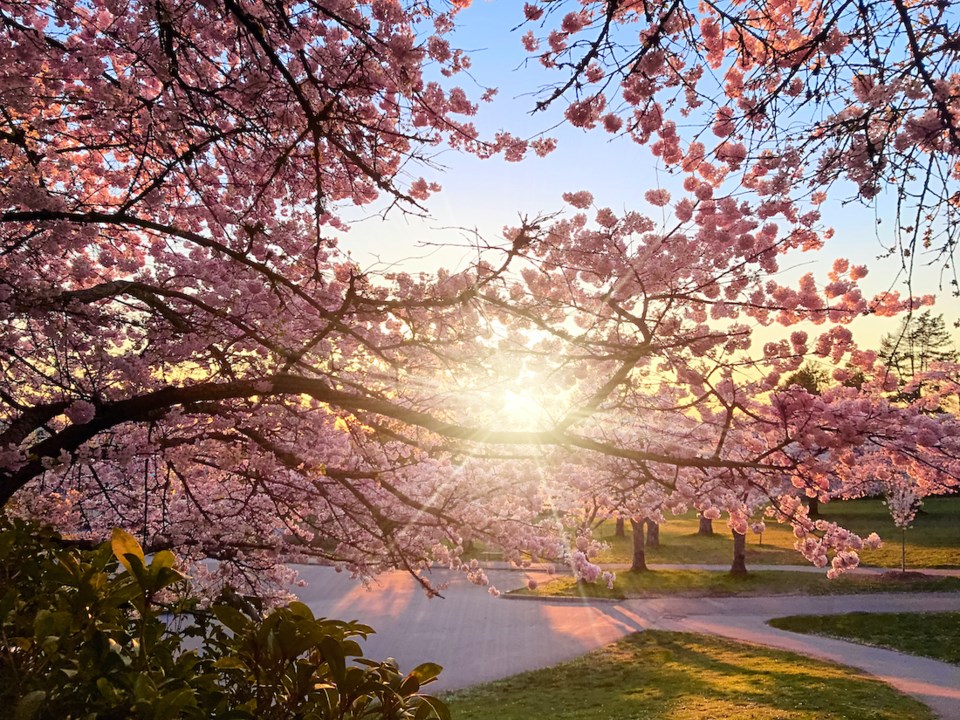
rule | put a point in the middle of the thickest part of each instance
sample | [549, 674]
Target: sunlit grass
[933, 541]
[934, 635]
[721, 584]
[687, 677]
[679, 543]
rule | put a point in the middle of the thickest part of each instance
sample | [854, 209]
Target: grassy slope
[719, 584]
[934, 540]
[935, 635]
[687, 677]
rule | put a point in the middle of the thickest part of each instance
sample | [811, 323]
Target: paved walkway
[745, 619]
[477, 638]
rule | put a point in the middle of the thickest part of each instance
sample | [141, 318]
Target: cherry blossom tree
[903, 504]
[171, 279]
[189, 354]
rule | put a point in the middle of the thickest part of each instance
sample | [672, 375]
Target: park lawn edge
[706, 583]
[932, 634]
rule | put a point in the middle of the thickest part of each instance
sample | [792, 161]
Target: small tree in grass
[903, 502]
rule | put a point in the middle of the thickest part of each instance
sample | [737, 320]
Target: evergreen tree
[919, 341]
[810, 377]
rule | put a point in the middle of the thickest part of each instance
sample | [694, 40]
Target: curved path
[478, 638]
[934, 683]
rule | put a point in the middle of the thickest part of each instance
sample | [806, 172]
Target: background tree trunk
[653, 534]
[814, 506]
[639, 555]
[619, 532]
[706, 526]
[739, 566]
[903, 550]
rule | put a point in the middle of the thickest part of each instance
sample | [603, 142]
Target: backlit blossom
[657, 197]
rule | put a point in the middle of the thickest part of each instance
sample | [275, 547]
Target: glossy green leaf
[123, 544]
[333, 654]
[300, 610]
[163, 559]
[231, 618]
[431, 707]
[230, 662]
[29, 705]
[165, 577]
[426, 672]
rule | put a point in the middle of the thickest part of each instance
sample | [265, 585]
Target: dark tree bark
[620, 532]
[639, 554]
[706, 526]
[739, 566]
[814, 507]
[653, 534]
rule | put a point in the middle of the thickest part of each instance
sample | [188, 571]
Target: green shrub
[108, 633]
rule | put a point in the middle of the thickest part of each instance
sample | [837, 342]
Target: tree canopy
[918, 343]
[191, 355]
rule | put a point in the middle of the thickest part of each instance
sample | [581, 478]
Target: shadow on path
[477, 638]
[934, 683]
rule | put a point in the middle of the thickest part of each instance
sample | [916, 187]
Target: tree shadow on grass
[659, 674]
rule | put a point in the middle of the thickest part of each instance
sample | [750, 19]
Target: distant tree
[653, 534]
[814, 380]
[810, 377]
[854, 379]
[919, 341]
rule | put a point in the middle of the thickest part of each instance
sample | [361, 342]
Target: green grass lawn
[687, 677]
[679, 543]
[934, 540]
[934, 635]
[721, 584]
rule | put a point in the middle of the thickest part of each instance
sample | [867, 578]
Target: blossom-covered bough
[187, 353]
[791, 101]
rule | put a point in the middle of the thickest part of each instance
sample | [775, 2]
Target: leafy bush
[108, 633]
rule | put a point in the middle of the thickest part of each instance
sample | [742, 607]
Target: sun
[521, 409]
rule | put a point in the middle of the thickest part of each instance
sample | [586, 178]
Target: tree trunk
[739, 566]
[653, 534]
[814, 505]
[903, 550]
[619, 532]
[706, 526]
[639, 555]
